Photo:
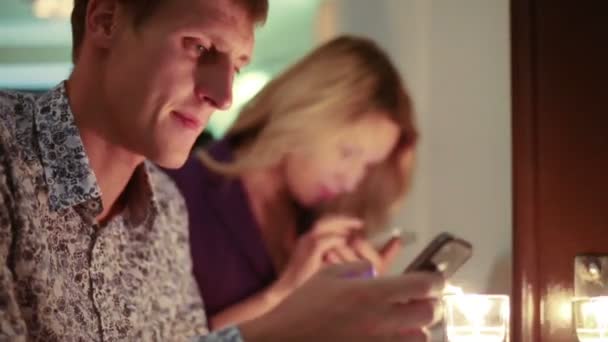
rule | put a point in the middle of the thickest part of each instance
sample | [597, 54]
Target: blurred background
[454, 57]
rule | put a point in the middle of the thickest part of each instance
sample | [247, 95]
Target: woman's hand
[359, 248]
[332, 232]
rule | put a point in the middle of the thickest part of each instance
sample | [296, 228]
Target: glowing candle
[591, 318]
[475, 317]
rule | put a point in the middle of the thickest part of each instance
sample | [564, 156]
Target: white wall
[455, 58]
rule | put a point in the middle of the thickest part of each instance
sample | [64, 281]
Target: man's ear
[102, 22]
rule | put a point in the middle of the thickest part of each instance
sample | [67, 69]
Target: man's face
[165, 78]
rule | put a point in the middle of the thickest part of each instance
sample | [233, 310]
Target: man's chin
[173, 160]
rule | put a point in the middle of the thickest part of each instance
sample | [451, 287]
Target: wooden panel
[560, 56]
[573, 145]
[524, 290]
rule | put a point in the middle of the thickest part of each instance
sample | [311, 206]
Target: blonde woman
[313, 164]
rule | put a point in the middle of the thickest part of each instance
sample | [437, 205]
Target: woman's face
[334, 164]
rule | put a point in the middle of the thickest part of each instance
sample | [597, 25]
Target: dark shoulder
[191, 170]
[194, 173]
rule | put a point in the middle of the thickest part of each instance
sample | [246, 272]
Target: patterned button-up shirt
[63, 276]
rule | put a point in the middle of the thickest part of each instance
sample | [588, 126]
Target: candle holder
[476, 318]
[590, 318]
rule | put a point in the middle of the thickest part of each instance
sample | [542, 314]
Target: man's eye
[195, 47]
[201, 49]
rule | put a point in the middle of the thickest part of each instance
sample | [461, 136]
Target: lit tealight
[452, 290]
[591, 319]
[475, 317]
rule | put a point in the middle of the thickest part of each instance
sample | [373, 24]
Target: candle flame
[591, 319]
[475, 317]
[452, 290]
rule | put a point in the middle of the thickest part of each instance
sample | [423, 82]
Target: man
[93, 239]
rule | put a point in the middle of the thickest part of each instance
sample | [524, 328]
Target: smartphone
[445, 254]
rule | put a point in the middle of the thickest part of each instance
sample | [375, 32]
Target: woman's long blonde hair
[336, 84]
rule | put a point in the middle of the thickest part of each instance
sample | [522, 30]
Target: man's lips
[327, 193]
[187, 120]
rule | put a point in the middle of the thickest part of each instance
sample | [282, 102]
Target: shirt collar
[142, 205]
[68, 174]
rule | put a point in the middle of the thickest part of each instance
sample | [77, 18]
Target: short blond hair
[338, 83]
[142, 9]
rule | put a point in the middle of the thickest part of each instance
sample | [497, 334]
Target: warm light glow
[591, 319]
[452, 290]
[474, 307]
[565, 311]
[246, 86]
[474, 317]
[52, 8]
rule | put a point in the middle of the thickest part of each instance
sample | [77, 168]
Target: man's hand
[338, 304]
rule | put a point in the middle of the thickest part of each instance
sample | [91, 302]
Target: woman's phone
[445, 254]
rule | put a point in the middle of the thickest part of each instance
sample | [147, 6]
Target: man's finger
[409, 320]
[415, 335]
[406, 287]
[417, 313]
